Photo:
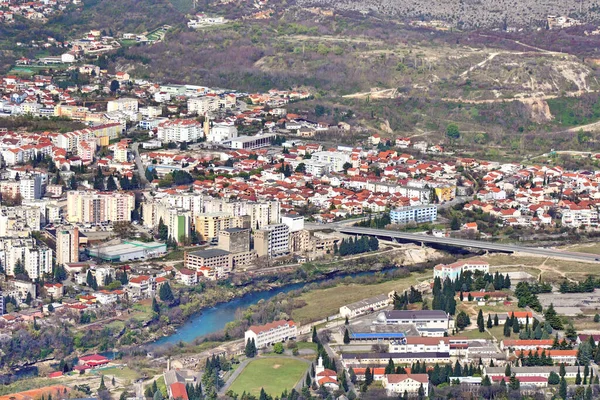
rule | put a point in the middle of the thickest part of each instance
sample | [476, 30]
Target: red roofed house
[274, 332]
[177, 390]
[93, 361]
[521, 316]
[396, 384]
[522, 344]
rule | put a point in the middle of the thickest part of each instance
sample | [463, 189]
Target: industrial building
[128, 250]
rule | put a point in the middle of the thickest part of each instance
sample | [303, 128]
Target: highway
[476, 244]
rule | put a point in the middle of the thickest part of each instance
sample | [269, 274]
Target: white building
[67, 246]
[364, 306]
[335, 159]
[179, 130]
[274, 332]
[295, 223]
[220, 133]
[31, 187]
[453, 271]
[417, 214]
[432, 323]
[397, 384]
[580, 217]
[124, 104]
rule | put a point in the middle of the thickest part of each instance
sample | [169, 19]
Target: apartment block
[274, 332]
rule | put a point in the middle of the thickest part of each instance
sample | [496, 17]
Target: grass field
[326, 302]
[274, 374]
[120, 373]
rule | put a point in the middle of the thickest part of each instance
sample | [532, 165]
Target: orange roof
[276, 324]
[56, 390]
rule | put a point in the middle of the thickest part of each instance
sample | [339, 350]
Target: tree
[346, 167]
[597, 318]
[114, 86]
[455, 224]
[578, 377]
[308, 381]
[301, 168]
[102, 385]
[563, 388]
[452, 131]
[507, 327]
[421, 392]
[163, 230]
[489, 324]
[368, 376]
[496, 320]
[553, 378]
[155, 306]
[507, 371]
[346, 336]
[571, 333]
[73, 182]
[111, 185]
[588, 393]
[278, 348]
[250, 349]
[19, 269]
[462, 320]
[390, 368]
[514, 383]
[346, 322]
[552, 318]
[480, 321]
[50, 308]
[91, 280]
[165, 293]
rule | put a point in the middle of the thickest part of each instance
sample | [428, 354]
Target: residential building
[272, 240]
[67, 245]
[335, 159]
[269, 334]
[526, 344]
[220, 261]
[179, 130]
[95, 207]
[416, 214]
[123, 104]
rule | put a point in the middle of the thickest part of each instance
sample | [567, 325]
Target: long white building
[274, 332]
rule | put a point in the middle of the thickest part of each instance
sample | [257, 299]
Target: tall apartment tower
[67, 246]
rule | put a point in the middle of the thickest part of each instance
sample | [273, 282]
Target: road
[139, 165]
[477, 244]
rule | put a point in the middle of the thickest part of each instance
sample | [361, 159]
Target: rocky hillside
[470, 13]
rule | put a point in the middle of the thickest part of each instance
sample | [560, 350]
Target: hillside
[469, 13]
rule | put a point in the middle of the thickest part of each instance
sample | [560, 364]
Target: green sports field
[274, 374]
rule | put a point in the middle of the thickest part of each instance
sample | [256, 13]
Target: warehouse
[128, 250]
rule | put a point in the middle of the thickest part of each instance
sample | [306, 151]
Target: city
[226, 234]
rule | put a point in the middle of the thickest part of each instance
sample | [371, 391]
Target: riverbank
[228, 320]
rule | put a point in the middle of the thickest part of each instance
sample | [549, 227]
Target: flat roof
[126, 247]
[244, 139]
[210, 253]
[394, 335]
[234, 230]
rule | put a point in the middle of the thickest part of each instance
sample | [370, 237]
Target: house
[187, 277]
[177, 390]
[585, 338]
[397, 384]
[521, 316]
[93, 361]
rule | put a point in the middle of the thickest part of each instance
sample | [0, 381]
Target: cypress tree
[346, 336]
[480, 321]
[563, 388]
[489, 321]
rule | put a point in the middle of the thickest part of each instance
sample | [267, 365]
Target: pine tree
[390, 368]
[102, 385]
[507, 327]
[308, 380]
[578, 377]
[588, 393]
[346, 322]
[368, 376]
[563, 388]
[496, 320]
[165, 293]
[315, 338]
[155, 306]
[480, 321]
[346, 337]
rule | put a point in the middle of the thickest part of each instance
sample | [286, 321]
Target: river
[214, 319]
